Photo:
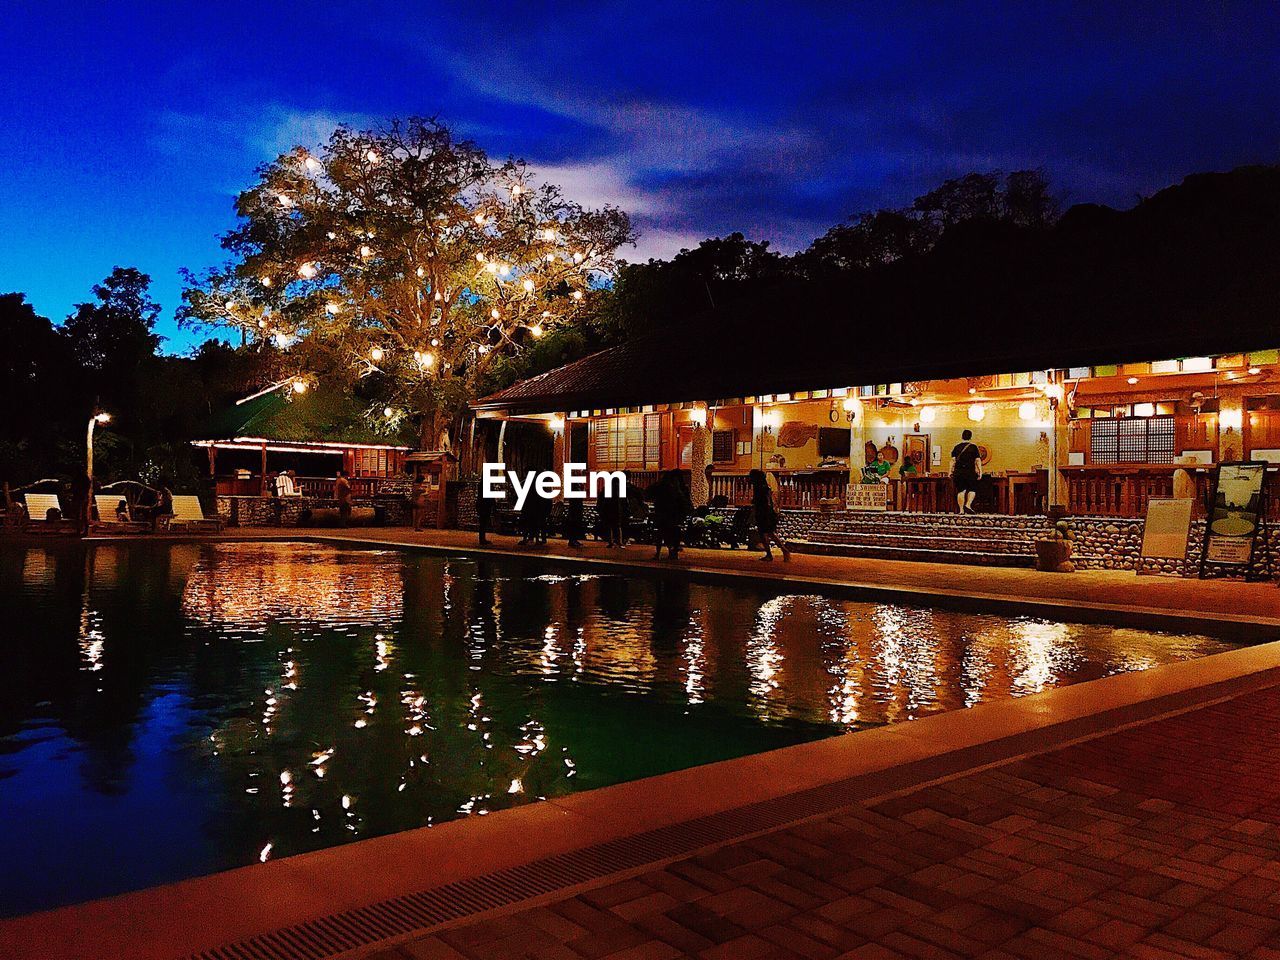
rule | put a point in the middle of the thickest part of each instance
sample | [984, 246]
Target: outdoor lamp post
[100, 416]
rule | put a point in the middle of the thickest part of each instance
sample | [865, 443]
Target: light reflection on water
[170, 711]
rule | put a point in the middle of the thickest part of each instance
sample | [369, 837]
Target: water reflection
[167, 712]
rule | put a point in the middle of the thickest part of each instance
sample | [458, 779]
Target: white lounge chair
[38, 507]
[109, 520]
[188, 512]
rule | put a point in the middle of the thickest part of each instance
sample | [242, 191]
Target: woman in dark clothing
[671, 507]
[609, 507]
[766, 515]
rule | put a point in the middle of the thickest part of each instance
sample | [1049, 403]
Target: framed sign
[1165, 532]
[1235, 511]
[867, 496]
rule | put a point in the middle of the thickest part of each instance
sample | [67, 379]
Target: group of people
[670, 509]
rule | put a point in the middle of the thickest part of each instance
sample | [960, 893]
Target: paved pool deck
[1157, 841]
[1111, 595]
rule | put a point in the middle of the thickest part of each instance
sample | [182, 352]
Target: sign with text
[867, 496]
[1164, 534]
[1234, 513]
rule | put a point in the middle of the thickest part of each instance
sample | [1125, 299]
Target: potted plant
[1053, 554]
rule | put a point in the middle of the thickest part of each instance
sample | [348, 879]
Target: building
[1118, 358]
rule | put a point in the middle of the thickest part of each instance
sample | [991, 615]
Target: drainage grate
[369, 925]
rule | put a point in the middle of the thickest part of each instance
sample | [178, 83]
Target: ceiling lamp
[1026, 410]
[977, 412]
[928, 414]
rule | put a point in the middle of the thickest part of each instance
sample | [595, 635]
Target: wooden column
[262, 474]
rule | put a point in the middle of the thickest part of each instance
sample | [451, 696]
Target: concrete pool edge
[207, 912]
[1227, 626]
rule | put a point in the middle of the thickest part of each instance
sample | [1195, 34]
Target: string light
[388, 412]
[494, 313]
[299, 386]
[528, 285]
[307, 271]
[536, 329]
[548, 235]
[577, 294]
[376, 354]
[265, 281]
[366, 251]
[372, 155]
[331, 309]
[421, 271]
[312, 164]
[515, 191]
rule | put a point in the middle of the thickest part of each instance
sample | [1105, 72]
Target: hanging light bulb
[548, 235]
[504, 269]
[928, 414]
[421, 272]
[376, 354]
[435, 342]
[479, 219]
[577, 258]
[1026, 410]
[536, 329]
[494, 313]
[307, 271]
[372, 155]
[265, 280]
[427, 360]
[977, 412]
[480, 258]
[312, 164]
[331, 309]
[577, 294]
[388, 412]
[299, 386]
[366, 251]
[515, 191]
[528, 285]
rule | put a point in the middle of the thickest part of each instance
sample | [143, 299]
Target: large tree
[400, 263]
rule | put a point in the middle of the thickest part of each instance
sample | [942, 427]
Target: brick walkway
[1160, 841]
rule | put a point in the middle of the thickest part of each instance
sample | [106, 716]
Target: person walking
[966, 471]
[342, 493]
[671, 507]
[418, 501]
[766, 515]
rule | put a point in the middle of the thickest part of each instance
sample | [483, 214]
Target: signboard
[867, 496]
[1168, 523]
[1234, 514]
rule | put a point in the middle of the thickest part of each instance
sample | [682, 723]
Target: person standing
[418, 501]
[484, 514]
[966, 471]
[573, 521]
[342, 493]
[609, 507]
[766, 515]
[671, 507]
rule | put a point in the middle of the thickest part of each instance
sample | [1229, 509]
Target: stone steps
[918, 554]
[983, 539]
[927, 541]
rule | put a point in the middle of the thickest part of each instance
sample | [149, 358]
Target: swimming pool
[173, 710]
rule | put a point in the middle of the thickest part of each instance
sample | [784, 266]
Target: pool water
[168, 711]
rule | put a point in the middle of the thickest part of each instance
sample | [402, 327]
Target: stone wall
[1101, 543]
[294, 511]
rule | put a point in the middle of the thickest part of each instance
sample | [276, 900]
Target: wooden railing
[319, 488]
[795, 490]
[1119, 491]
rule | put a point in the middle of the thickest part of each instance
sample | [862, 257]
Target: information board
[1234, 513]
[1168, 524]
[867, 496]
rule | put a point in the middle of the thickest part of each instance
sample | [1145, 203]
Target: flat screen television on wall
[833, 442]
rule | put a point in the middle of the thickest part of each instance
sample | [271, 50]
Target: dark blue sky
[129, 127]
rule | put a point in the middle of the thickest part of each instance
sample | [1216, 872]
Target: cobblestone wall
[293, 511]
